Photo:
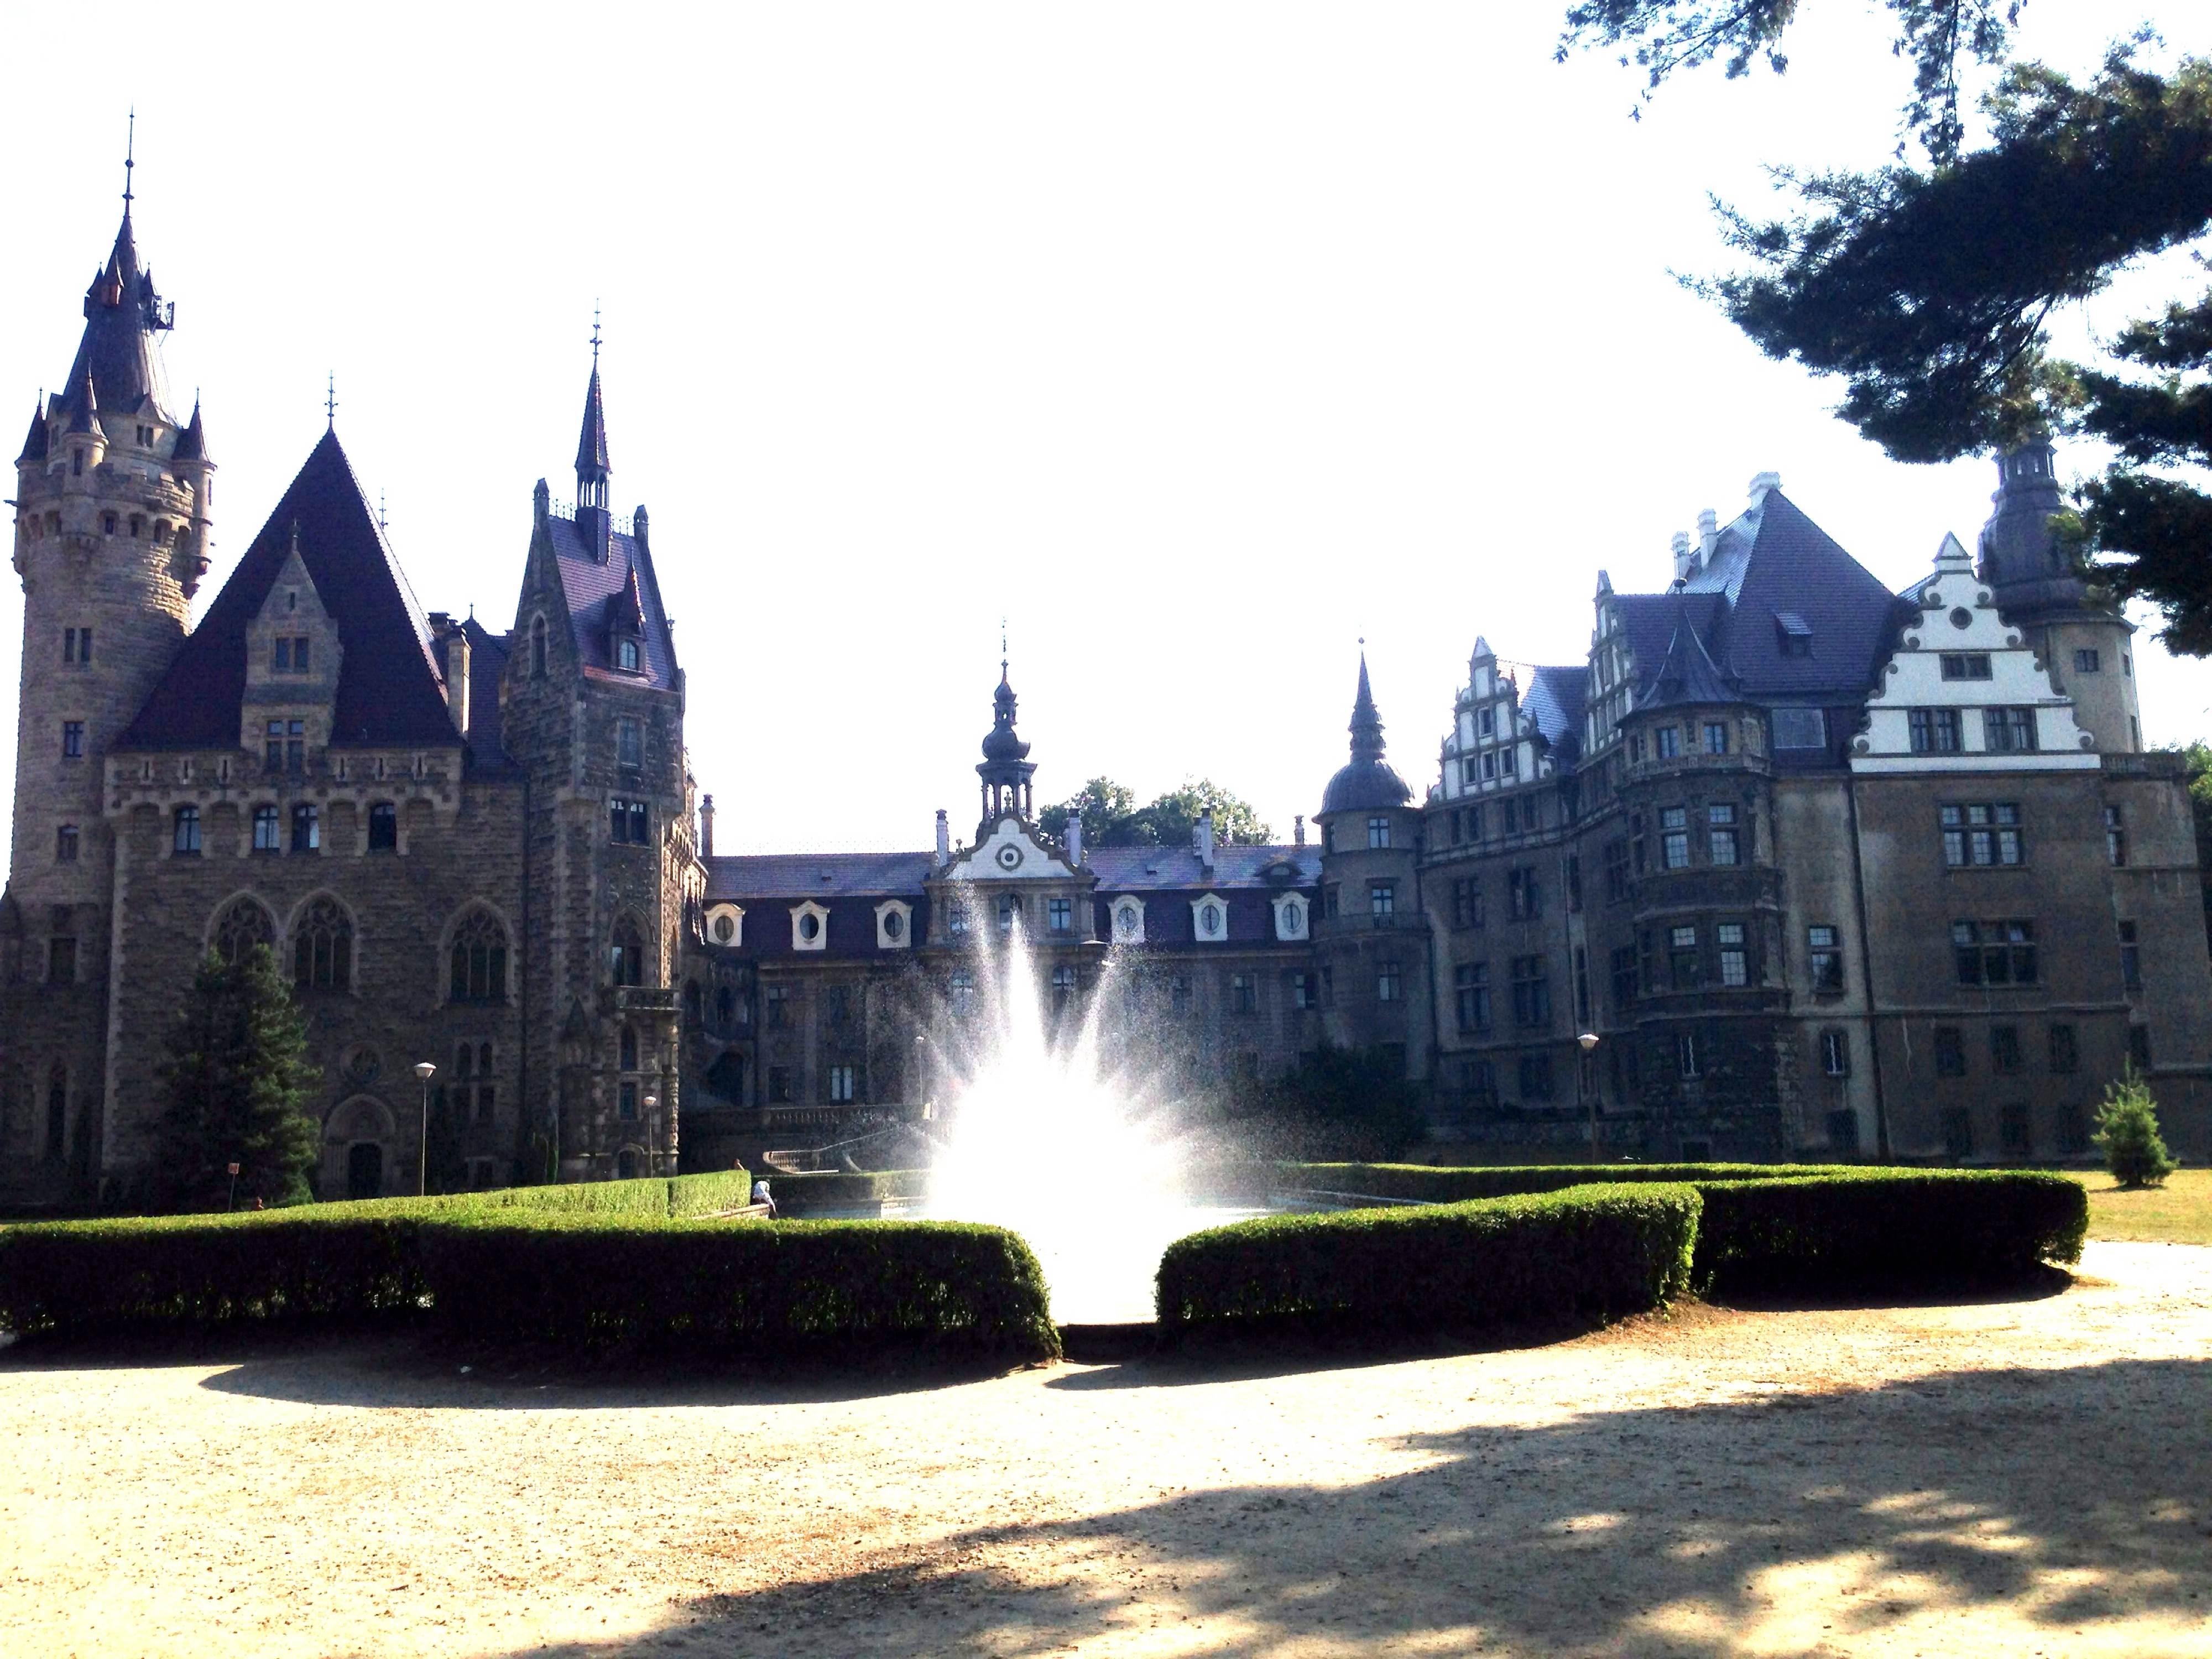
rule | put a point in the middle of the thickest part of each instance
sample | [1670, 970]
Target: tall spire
[1366, 727]
[122, 313]
[1366, 781]
[130, 158]
[591, 468]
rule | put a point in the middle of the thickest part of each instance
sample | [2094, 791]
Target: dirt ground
[2028, 1476]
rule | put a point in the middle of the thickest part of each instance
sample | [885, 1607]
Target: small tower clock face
[1008, 857]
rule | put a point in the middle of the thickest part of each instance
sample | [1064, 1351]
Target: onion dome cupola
[1369, 782]
[1007, 768]
[2031, 574]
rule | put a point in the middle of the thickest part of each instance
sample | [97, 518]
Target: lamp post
[232, 1168]
[1589, 1042]
[424, 1071]
[653, 1132]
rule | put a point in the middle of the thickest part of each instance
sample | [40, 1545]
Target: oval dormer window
[726, 929]
[809, 926]
[894, 924]
[626, 655]
[1125, 919]
[1210, 918]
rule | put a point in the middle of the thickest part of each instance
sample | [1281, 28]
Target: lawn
[2179, 1212]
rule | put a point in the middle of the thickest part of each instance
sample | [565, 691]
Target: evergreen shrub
[1429, 1184]
[600, 1282]
[2127, 1133]
[1588, 1251]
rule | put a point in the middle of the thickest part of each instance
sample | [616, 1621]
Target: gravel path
[2029, 1476]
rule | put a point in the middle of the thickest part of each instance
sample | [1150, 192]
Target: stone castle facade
[1789, 865]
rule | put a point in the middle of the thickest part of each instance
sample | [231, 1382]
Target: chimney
[944, 840]
[637, 527]
[454, 647]
[1761, 484]
[1709, 531]
[705, 826]
[1074, 836]
[1298, 830]
[1684, 565]
[1201, 837]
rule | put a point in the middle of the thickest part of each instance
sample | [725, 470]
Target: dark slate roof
[1367, 779]
[36, 446]
[121, 312]
[1774, 559]
[389, 689]
[1147, 869]
[1554, 699]
[596, 587]
[1171, 920]
[1688, 674]
[487, 668]
[1650, 621]
[824, 876]
[191, 442]
[592, 441]
[84, 407]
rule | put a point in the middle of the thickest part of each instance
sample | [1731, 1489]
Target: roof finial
[1002, 647]
[381, 522]
[129, 157]
[331, 400]
[595, 336]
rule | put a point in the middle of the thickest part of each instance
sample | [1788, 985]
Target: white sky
[1199, 341]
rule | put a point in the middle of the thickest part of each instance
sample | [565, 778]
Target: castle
[1790, 864]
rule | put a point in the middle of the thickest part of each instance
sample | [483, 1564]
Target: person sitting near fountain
[761, 1195]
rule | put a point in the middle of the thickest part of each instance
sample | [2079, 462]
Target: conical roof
[117, 352]
[1370, 782]
[191, 442]
[592, 441]
[35, 444]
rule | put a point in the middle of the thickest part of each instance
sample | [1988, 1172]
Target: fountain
[1056, 1130]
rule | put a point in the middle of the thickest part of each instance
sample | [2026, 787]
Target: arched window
[241, 928]
[626, 1164]
[465, 1062]
[694, 1001]
[186, 837]
[57, 1111]
[627, 957]
[266, 838]
[483, 1060]
[725, 1004]
[629, 1050]
[537, 647]
[383, 827]
[479, 959]
[322, 948]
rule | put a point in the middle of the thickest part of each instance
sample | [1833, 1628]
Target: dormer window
[291, 656]
[626, 655]
[1794, 633]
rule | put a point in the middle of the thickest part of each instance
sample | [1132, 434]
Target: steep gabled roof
[191, 442]
[35, 447]
[1554, 699]
[742, 876]
[389, 689]
[486, 669]
[590, 585]
[1688, 674]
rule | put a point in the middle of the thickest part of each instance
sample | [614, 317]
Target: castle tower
[1007, 768]
[111, 537]
[2087, 648]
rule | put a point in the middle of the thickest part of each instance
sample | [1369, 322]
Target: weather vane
[130, 158]
[331, 401]
[595, 336]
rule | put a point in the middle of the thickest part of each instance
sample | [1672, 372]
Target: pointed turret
[123, 314]
[591, 468]
[191, 442]
[1369, 780]
[35, 445]
[83, 407]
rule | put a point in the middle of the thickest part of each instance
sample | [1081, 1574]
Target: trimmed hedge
[1429, 1184]
[823, 1190]
[1588, 1251]
[598, 1282]
[1886, 1228]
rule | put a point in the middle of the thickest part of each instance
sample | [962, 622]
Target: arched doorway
[359, 1149]
[364, 1170]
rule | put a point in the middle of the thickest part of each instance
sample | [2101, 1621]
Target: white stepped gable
[1492, 743]
[1008, 853]
[1959, 621]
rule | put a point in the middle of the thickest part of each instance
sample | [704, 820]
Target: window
[2009, 731]
[961, 992]
[2004, 1050]
[266, 837]
[65, 839]
[1536, 1077]
[1616, 870]
[1468, 773]
[1582, 1017]
[479, 959]
[1957, 1133]
[1009, 912]
[1574, 882]
[1674, 838]
[1624, 977]
[1979, 837]
[61, 960]
[322, 948]
[1965, 665]
[1382, 902]
[630, 823]
[184, 832]
[1836, 1053]
[1716, 737]
[1387, 982]
[840, 1077]
[1684, 968]
[538, 648]
[1243, 992]
[243, 928]
[1378, 832]
[626, 1050]
[1471, 990]
[383, 827]
[2130, 957]
[1720, 833]
[306, 829]
[626, 655]
[626, 954]
[1800, 729]
[77, 645]
[1934, 731]
[2139, 1048]
[626, 1101]
[108, 521]
[1688, 1062]
[2086, 662]
[630, 744]
[2013, 1131]
[1301, 990]
[1458, 827]
[1635, 747]
[291, 654]
[2116, 838]
[1478, 1081]
[1466, 901]
[1060, 915]
[1179, 993]
[2065, 1055]
[1950, 1052]
[1994, 952]
[1524, 897]
[1735, 960]
[1794, 633]
[72, 739]
[1824, 946]
[284, 746]
[894, 925]
[778, 1085]
[1474, 821]
[1669, 740]
[809, 926]
[955, 919]
[1532, 992]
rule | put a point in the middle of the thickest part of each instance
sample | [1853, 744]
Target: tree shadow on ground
[2071, 1501]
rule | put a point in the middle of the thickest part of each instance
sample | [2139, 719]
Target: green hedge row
[824, 1189]
[1428, 1184]
[1598, 1251]
[595, 1282]
[1614, 1246]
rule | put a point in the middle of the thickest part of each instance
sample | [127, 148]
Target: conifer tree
[234, 1087]
[2127, 1132]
